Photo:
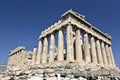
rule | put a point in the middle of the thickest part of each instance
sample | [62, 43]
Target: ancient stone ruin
[71, 49]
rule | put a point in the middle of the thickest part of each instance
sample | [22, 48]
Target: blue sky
[21, 21]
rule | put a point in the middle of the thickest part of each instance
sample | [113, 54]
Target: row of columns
[101, 53]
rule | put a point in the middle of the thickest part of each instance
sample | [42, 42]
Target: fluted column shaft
[100, 60]
[52, 48]
[45, 51]
[39, 52]
[108, 55]
[78, 46]
[18, 59]
[24, 56]
[9, 61]
[70, 55]
[21, 57]
[60, 56]
[21, 52]
[104, 54]
[34, 56]
[93, 51]
[112, 58]
[86, 49]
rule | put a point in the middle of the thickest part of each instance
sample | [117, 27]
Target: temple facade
[83, 43]
[71, 39]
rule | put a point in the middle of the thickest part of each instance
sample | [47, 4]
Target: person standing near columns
[60, 56]
[45, 51]
[86, 49]
[34, 56]
[52, 48]
[100, 60]
[93, 50]
[39, 52]
[78, 46]
[70, 54]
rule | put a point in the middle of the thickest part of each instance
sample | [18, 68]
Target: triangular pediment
[74, 14]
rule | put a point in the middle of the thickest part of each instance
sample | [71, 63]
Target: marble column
[111, 56]
[108, 55]
[11, 57]
[39, 52]
[23, 53]
[52, 48]
[45, 51]
[69, 37]
[100, 60]
[16, 59]
[60, 56]
[86, 49]
[78, 46]
[34, 55]
[13, 61]
[104, 54]
[93, 50]
[9, 61]
[23, 60]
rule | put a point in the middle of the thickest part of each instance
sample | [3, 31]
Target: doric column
[93, 50]
[14, 59]
[70, 55]
[86, 49]
[111, 55]
[11, 59]
[100, 60]
[19, 58]
[24, 56]
[21, 54]
[60, 56]
[39, 52]
[104, 54]
[45, 51]
[108, 55]
[52, 48]
[15, 62]
[34, 55]
[78, 46]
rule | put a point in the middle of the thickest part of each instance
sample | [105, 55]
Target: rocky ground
[68, 71]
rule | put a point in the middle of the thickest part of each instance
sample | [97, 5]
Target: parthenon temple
[71, 39]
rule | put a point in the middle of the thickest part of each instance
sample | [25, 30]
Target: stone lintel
[90, 29]
[81, 18]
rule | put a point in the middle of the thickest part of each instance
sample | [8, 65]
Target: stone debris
[65, 72]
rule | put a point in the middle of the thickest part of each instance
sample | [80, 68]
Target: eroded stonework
[71, 49]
